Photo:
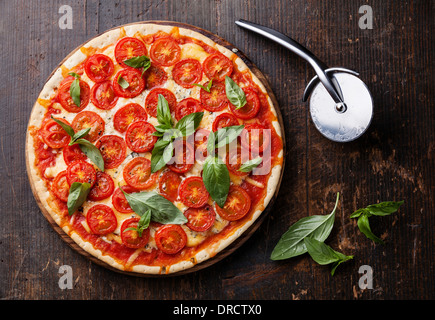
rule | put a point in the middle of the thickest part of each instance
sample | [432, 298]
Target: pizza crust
[39, 187]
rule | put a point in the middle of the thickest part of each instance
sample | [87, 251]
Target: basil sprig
[380, 209]
[87, 147]
[205, 88]
[142, 224]
[139, 62]
[78, 192]
[234, 93]
[74, 89]
[167, 133]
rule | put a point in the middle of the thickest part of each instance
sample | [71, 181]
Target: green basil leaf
[164, 112]
[216, 179]
[122, 82]
[139, 62]
[92, 152]
[161, 154]
[82, 133]
[226, 135]
[324, 254]
[74, 90]
[234, 93]
[78, 193]
[364, 227]
[142, 224]
[359, 212]
[291, 243]
[64, 126]
[384, 208]
[249, 165]
[211, 144]
[189, 123]
[205, 88]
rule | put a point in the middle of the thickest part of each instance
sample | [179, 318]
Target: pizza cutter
[341, 105]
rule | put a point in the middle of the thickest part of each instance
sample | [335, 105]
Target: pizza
[153, 148]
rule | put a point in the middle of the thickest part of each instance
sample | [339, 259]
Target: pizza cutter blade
[341, 105]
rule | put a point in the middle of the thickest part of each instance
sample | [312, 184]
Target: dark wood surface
[394, 160]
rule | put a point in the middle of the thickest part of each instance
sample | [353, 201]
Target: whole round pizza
[152, 148]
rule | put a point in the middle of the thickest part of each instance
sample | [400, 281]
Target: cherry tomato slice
[81, 171]
[99, 67]
[113, 149]
[250, 109]
[170, 238]
[73, 153]
[101, 219]
[217, 67]
[255, 137]
[89, 119]
[119, 201]
[200, 219]
[187, 72]
[216, 99]
[235, 158]
[139, 136]
[193, 193]
[137, 173]
[54, 135]
[165, 52]
[186, 107]
[236, 206]
[153, 97]
[136, 84]
[103, 187]
[224, 120]
[128, 48]
[168, 185]
[103, 95]
[131, 238]
[155, 77]
[184, 157]
[127, 115]
[60, 186]
[66, 100]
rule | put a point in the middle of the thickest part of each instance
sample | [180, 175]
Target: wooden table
[394, 160]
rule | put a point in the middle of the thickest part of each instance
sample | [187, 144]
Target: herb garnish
[78, 193]
[122, 82]
[234, 93]
[139, 62]
[205, 88]
[74, 90]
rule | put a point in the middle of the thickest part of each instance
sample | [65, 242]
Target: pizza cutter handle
[318, 66]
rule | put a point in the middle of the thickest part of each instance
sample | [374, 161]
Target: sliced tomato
[127, 115]
[187, 72]
[136, 84]
[60, 186]
[103, 187]
[201, 139]
[128, 48]
[73, 153]
[131, 238]
[217, 67]
[250, 109]
[66, 100]
[139, 136]
[236, 206]
[224, 120]
[183, 157]
[200, 219]
[101, 219]
[99, 67]
[81, 171]
[235, 158]
[54, 135]
[103, 95]
[165, 52]
[113, 149]
[137, 173]
[255, 137]
[89, 119]
[192, 192]
[153, 98]
[168, 185]
[216, 99]
[170, 238]
[155, 76]
[187, 106]
[119, 201]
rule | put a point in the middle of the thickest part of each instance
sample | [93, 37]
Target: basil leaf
[64, 126]
[78, 193]
[189, 123]
[211, 144]
[324, 254]
[216, 179]
[161, 154]
[74, 90]
[226, 135]
[163, 112]
[250, 165]
[291, 243]
[82, 133]
[234, 93]
[384, 208]
[142, 224]
[139, 62]
[122, 82]
[92, 152]
[205, 88]
[364, 227]
[162, 210]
